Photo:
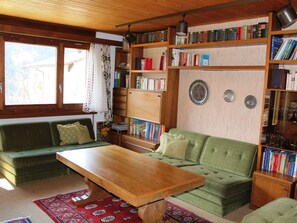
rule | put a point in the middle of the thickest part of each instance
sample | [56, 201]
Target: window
[30, 74]
[74, 75]
[42, 77]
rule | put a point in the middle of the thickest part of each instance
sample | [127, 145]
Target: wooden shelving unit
[269, 185]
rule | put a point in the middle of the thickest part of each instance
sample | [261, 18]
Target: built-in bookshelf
[276, 162]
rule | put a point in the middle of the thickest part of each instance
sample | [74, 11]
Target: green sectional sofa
[28, 150]
[226, 164]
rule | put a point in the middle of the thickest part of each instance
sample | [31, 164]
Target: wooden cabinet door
[266, 189]
[145, 105]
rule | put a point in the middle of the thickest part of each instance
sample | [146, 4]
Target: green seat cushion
[281, 210]
[229, 155]
[195, 145]
[219, 182]
[168, 160]
[38, 156]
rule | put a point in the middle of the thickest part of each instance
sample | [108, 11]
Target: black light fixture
[182, 27]
[286, 15]
[129, 36]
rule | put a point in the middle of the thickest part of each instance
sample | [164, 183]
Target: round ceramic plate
[250, 101]
[228, 95]
[198, 92]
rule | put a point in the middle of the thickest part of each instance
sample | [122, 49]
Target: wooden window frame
[17, 111]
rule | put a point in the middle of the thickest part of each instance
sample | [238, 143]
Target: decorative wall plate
[250, 101]
[198, 92]
[228, 95]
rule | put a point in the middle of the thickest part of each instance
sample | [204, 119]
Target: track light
[129, 36]
[182, 27]
[286, 15]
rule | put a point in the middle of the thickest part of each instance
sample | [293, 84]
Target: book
[204, 60]
[276, 42]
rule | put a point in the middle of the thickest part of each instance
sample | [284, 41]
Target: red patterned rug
[61, 209]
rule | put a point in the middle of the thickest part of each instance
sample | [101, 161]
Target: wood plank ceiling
[99, 15]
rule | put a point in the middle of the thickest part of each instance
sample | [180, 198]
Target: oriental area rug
[61, 209]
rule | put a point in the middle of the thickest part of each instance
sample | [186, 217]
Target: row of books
[121, 78]
[153, 84]
[291, 81]
[259, 30]
[182, 58]
[283, 49]
[145, 129]
[151, 37]
[283, 162]
[143, 63]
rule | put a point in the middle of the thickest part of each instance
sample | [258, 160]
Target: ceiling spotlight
[182, 27]
[129, 36]
[286, 15]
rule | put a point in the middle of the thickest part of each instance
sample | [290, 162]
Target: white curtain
[96, 89]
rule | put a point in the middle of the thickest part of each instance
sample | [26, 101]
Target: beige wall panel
[218, 117]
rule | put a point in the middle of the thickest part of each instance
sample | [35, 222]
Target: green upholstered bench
[28, 150]
[281, 210]
[226, 164]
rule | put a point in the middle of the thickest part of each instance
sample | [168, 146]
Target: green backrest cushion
[55, 133]
[25, 136]
[229, 155]
[195, 145]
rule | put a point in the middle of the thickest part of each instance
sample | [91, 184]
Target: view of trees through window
[31, 74]
[74, 75]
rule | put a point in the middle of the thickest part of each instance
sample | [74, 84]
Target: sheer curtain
[98, 95]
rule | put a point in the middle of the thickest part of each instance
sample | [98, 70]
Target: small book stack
[153, 84]
[283, 162]
[182, 58]
[283, 49]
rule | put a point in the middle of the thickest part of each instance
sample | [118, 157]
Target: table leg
[152, 211]
[94, 193]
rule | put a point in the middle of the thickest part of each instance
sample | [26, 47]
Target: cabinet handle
[159, 95]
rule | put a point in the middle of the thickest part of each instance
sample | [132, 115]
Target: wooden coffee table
[137, 179]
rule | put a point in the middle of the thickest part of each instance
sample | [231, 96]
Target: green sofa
[28, 150]
[280, 210]
[226, 164]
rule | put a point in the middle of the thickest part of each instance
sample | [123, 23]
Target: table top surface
[135, 178]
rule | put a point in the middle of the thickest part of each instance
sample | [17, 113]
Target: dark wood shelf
[148, 45]
[245, 67]
[221, 43]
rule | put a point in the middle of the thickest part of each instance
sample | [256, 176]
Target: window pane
[74, 75]
[30, 74]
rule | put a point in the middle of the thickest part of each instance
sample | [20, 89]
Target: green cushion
[196, 144]
[168, 160]
[25, 136]
[229, 155]
[163, 139]
[33, 157]
[55, 133]
[281, 210]
[175, 148]
[68, 133]
[215, 204]
[219, 182]
[83, 135]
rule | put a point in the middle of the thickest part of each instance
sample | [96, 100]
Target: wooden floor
[18, 201]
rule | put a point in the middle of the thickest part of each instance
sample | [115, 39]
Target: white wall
[217, 117]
